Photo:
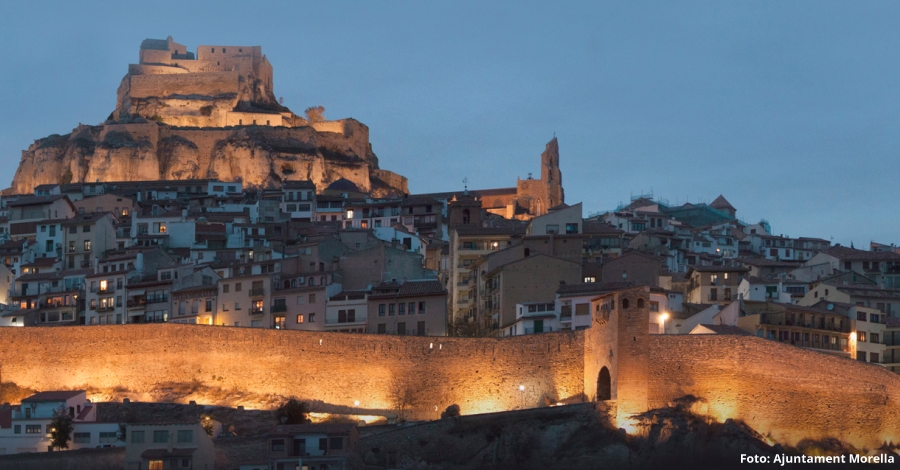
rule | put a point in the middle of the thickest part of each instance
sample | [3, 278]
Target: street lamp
[663, 318]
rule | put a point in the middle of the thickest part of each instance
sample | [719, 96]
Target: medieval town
[208, 280]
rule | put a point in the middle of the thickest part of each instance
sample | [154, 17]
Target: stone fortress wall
[782, 391]
[481, 375]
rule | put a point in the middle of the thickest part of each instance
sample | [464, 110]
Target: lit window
[300, 318]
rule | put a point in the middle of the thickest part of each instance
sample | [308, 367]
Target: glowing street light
[663, 318]
[521, 388]
[356, 403]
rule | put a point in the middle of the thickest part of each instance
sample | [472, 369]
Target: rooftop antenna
[466, 186]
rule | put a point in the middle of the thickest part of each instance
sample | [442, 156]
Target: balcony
[258, 292]
[257, 311]
[278, 308]
[136, 303]
[106, 308]
[157, 299]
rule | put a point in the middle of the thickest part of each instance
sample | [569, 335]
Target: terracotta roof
[59, 395]
[296, 184]
[767, 262]
[852, 254]
[721, 203]
[597, 227]
[35, 200]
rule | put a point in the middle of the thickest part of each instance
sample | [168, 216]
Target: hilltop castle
[219, 86]
[212, 114]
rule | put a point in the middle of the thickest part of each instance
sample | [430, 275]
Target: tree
[315, 114]
[403, 395]
[61, 427]
[463, 327]
[292, 411]
[451, 411]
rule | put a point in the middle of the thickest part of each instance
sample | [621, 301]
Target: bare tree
[404, 395]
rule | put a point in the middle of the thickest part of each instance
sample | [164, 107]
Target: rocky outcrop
[258, 156]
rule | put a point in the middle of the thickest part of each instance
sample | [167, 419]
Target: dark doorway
[604, 387]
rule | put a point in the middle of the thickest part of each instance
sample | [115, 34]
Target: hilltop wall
[480, 375]
[790, 392]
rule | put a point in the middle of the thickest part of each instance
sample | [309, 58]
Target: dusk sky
[788, 109]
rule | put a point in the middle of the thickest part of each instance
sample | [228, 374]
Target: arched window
[624, 303]
[466, 216]
[539, 207]
[640, 303]
[312, 281]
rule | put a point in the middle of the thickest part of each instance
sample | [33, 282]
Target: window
[155, 465]
[552, 229]
[861, 316]
[278, 322]
[382, 328]
[209, 303]
[73, 229]
[401, 309]
[873, 358]
[82, 438]
[277, 445]
[412, 308]
[873, 338]
[861, 336]
[300, 318]
[17, 429]
[108, 437]
[312, 317]
[336, 443]
[420, 328]
[571, 228]
[160, 437]
[185, 436]
[421, 308]
[137, 437]
[87, 245]
[71, 248]
[237, 287]
[590, 279]
[86, 228]
[381, 309]
[32, 429]
[226, 288]
[391, 309]
[312, 298]
[53, 230]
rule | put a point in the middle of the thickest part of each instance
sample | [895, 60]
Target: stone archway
[604, 385]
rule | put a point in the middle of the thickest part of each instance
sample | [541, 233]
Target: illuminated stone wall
[480, 375]
[789, 392]
[779, 390]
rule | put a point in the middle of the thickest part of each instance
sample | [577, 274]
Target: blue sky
[789, 109]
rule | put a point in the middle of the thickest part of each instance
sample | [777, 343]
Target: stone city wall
[788, 392]
[480, 375]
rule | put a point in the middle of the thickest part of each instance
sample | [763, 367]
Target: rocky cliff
[259, 156]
